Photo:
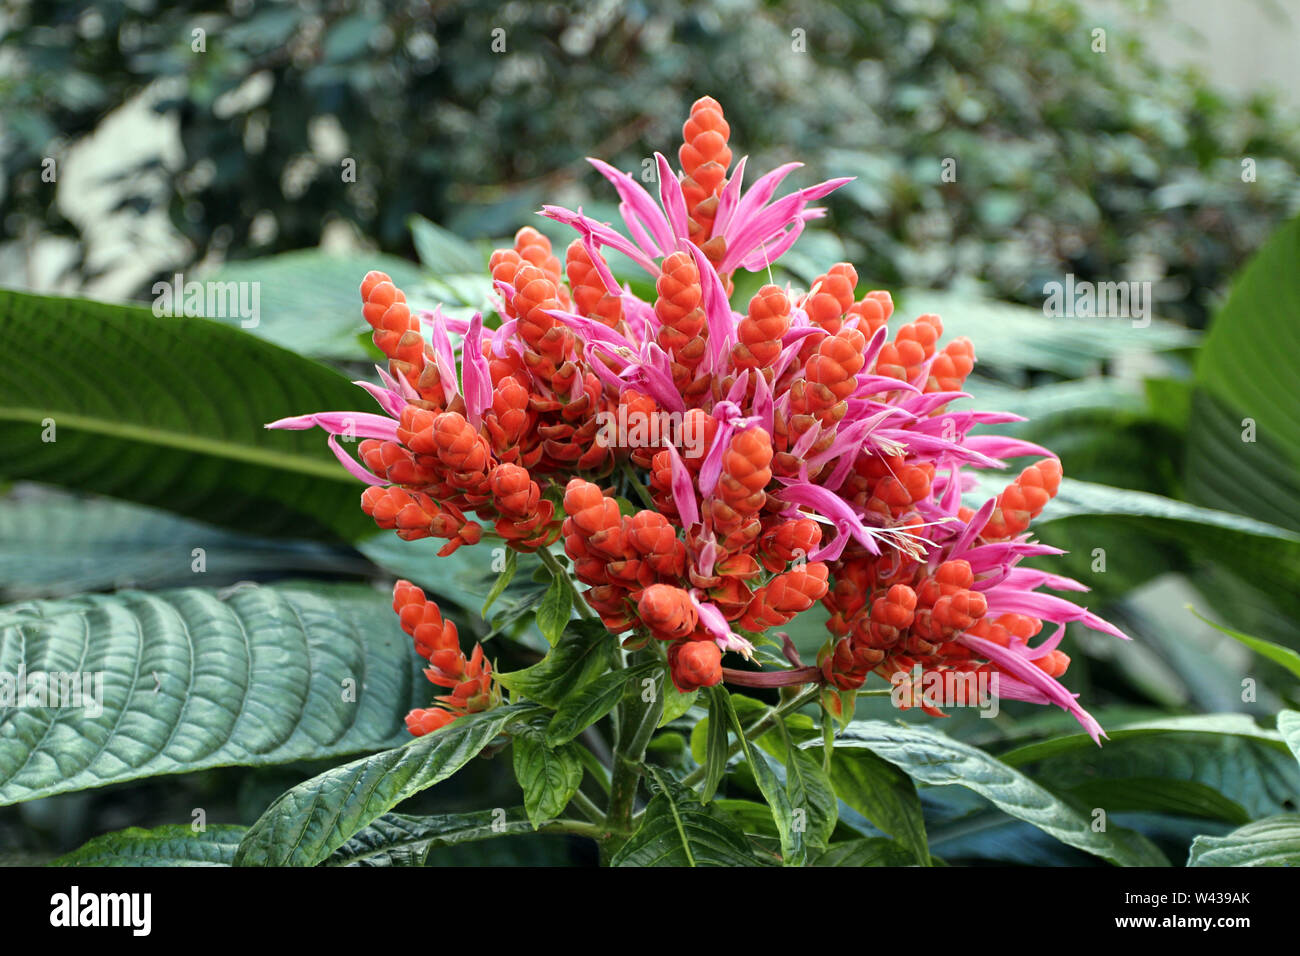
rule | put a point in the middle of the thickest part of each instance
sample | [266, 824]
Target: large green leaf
[1245, 371]
[934, 758]
[1274, 841]
[1256, 774]
[677, 830]
[171, 845]
[192, 679]
[1141, 535]
[396, 839]
[170, 412]
[464, 577]
[308, 823]
[1012, 336]
[444, 252]
[884, 794]
[1235, 725]
[53, 545]
[310, 301]
[1276, 653]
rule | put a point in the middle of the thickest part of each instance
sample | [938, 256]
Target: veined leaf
[1274, 841]
[936, 759]
[1255, 772]
[869, 851]
[582, 653]
[1244, 450]
[556, 608]
[396, 839]
[549, 776]
[1189, 798]
[54, 545]
[192, 679]
[884, 794]
[679, 831]
[170, 412]
[810, 791]
[592, 701]
[171, 845]
[793, 850]
[305, 825]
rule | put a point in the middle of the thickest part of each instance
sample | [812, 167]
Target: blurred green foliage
[1067, 160]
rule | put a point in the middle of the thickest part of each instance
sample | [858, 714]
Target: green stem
[635, 483]
[760, 727]
[577, 827]
[637, 725]
[588, 808]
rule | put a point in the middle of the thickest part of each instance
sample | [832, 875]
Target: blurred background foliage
[1067, 160]
[1108, 166]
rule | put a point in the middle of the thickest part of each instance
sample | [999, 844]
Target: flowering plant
[710, 470]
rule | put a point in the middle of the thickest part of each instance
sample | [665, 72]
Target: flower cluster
[437, 641]
[807, 454]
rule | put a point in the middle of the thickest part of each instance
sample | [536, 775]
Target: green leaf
[589, 703]
[1274, 652]
[678, 831]
[676, 703]
[934, 758]
[310, 301]
[716, 746]
[502, 582]
[171, 412]
[869, 851]
[53, 545]
[171, 845]
[192, 679]
[1255, 771]
[1012, 336]
[1288, 724]
[399, 840]
[809, 790]
[465, 577]
[884, 794]
[582, 653]
[549, 776]
[1237, 725]
[1274, 841]
[1242, 373]
[556, 608]
[793, 851]
[1188, 798]
[308, 823]
[444, 252]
